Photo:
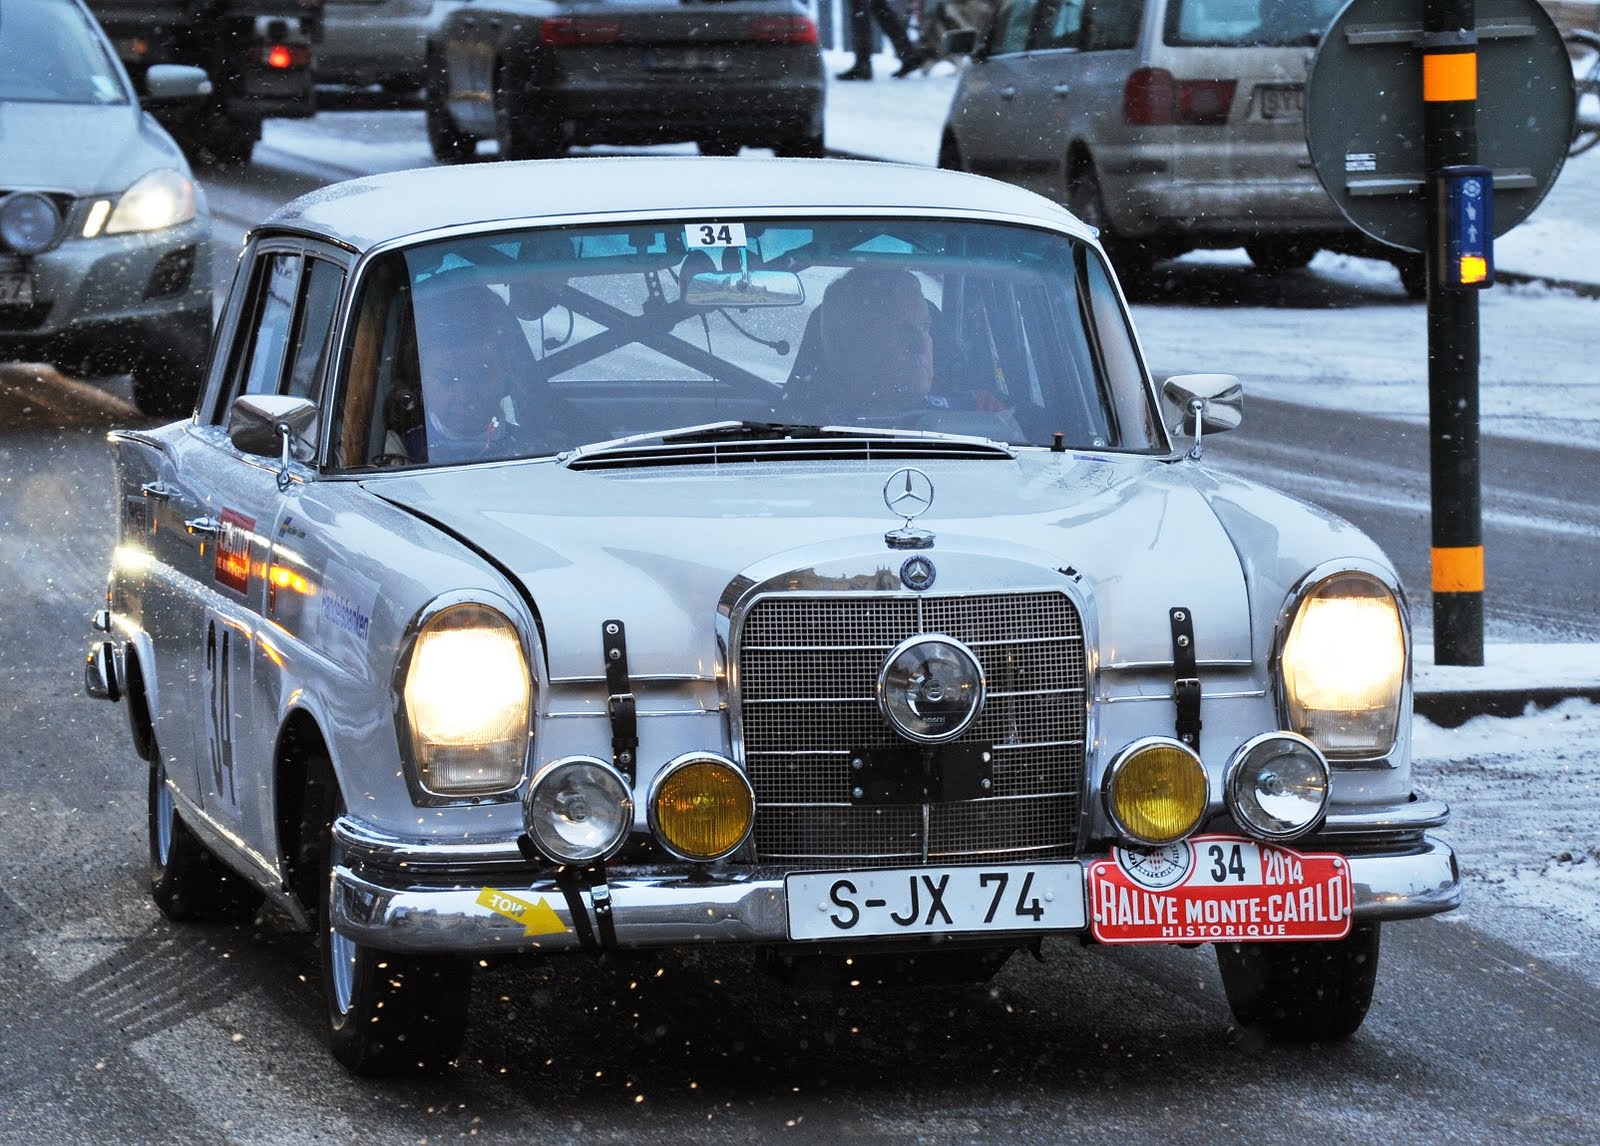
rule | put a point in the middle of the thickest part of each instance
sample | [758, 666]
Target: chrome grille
[807, 673]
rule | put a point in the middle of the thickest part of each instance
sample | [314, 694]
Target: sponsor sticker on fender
[1219, 889]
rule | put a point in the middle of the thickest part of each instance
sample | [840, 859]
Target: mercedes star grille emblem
[917, 573]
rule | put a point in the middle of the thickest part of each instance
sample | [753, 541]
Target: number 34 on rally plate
[1219, 889]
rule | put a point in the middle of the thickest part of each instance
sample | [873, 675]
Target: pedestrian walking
[862, 15]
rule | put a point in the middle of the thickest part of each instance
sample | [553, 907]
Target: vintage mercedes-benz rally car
[620, 553]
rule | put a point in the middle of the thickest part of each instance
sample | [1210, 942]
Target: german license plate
[936, 901]
[16, 289]
[1282, 103]
[1219, 889]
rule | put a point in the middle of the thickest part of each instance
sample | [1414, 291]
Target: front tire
[388, 1014]
[1302, 992]
[518, 139]
[187, 882]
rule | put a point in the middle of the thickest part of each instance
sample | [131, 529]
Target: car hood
[664, 549]
[111, 146]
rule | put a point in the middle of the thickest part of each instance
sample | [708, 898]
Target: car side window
[268, 322]
[1012, 23]
[1060, 25]
[313, 326]
[1110, 25]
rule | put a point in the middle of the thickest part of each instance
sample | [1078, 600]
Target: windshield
[528, 343]
[49, 53]
[1249, 23]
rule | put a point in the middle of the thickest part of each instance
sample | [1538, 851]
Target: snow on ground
[1524, 790]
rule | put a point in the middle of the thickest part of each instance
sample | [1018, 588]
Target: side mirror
[272, 425]
[744, 288]
[1205, 404]
[175, 83]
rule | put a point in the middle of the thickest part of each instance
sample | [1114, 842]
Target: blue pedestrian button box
[1466, 203]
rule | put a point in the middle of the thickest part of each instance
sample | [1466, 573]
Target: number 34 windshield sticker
[1219, 889]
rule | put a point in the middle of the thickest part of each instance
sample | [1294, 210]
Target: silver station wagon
[584, 556]
[1169, 124]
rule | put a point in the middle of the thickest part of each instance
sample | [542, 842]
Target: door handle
[156, 490]
[204, 526]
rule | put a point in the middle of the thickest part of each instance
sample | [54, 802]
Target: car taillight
[1152, 98]
[570, 31]
[286, 57]
[783, 29]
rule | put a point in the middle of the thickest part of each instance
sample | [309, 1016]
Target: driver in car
[877, 342]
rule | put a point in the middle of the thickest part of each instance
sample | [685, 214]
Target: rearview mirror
[175, 83]
[257, 423]
[745, 288]
[1206, 404]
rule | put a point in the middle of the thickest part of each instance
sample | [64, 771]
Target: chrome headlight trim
[899, 697]
[421, 795]
[1241, 786]
[1119, 764]
[538, 801]
[1379, 754]
[29, 222]
[676, 765]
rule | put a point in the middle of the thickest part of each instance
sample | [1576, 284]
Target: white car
[536, 578]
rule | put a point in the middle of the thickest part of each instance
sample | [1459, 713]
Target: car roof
[362, 213]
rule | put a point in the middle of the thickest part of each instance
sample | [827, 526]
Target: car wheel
[166, 384]
[1278, 257]
[388, 1014]
[517, 137]
[1133, 259]
[187, 882]
[1413, 270]
[448, 143]
[1302, 992]
[214, 140]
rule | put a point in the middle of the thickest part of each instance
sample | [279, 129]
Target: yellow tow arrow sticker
[536, 918]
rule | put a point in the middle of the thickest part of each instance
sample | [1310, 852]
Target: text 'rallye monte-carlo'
[599, 555]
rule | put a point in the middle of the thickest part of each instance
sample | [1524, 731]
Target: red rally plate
[1219, 889]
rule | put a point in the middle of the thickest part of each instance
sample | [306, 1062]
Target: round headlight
[28, 222]
[1277, 786]
[578, 810]
[1156, 791]
[930, 688]
[701, 807]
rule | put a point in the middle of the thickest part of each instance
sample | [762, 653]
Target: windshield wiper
[751, 440]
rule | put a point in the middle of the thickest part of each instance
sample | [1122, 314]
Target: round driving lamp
[701, 807]
[1156, 791]
[1277, 786]
[931, 688]
[578, 810]
[28, 222]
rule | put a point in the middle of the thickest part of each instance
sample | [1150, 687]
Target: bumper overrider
[487, 899]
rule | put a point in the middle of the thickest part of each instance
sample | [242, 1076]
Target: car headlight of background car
[160, 198]
[1343, 665]
[467, 696]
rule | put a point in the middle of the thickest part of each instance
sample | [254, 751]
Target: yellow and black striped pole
[1450, 94]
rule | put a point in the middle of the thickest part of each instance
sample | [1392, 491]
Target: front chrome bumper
[499, 910]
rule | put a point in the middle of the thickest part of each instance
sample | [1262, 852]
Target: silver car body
[113, 301]
[383, 42]
[259, 605]
[1178, 122]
